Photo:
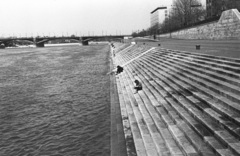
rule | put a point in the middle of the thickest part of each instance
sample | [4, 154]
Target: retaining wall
[227, 28]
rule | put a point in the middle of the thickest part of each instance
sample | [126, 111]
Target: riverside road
[226, 48]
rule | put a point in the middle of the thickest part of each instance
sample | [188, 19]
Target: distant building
[216, 7]
[203, 3]
[158, 15]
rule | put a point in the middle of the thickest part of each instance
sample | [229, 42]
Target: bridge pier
[2, 46]
[84, 42]
[41, 44]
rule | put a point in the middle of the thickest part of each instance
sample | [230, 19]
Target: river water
[54, 101]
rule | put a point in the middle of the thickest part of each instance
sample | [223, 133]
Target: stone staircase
[120, 46]
[189, 105]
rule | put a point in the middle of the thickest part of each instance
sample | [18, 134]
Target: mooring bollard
[198, 47]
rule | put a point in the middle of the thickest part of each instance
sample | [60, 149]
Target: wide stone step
[205, 133]
[119, 47]
[219, 72]
[182, 141]
[136, 51]
[220, 87]
[211, 58]
[215, 72]
[221, 68]
[126, 50]
[187, 105]
[129, 121]
[201, 87]
[173, 119]
[130, 147]
[170, 143]
[220, 118]
[160, 126]
[212, 125]
[188, 118]
[131, 50]
[207, 70]
[147, 139]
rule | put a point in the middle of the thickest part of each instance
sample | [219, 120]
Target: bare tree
[183, 13]
[188, 11]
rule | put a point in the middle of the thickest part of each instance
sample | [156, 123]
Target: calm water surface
[54, 101]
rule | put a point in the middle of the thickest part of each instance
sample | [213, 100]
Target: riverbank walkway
[227, 48]
[189, 105]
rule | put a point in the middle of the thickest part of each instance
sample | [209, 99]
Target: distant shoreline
[53, 45]
[46, 45]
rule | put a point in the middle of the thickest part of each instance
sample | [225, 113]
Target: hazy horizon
[61, 17]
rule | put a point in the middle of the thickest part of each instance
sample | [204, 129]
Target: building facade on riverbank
[158, 15]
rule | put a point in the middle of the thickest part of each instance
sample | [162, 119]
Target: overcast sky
[81, 17]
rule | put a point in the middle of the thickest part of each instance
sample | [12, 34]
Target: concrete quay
[226, 48]
[189, 104]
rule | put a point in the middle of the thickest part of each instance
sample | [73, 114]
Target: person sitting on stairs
[138, 86]
[119, 70]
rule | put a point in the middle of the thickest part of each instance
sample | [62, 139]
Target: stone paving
[189, 104]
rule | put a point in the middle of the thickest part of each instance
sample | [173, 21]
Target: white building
[203, 3]
[158, 15]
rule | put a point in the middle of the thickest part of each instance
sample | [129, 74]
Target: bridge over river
[40, 41]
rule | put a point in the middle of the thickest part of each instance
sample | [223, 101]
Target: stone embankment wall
[227, 28]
